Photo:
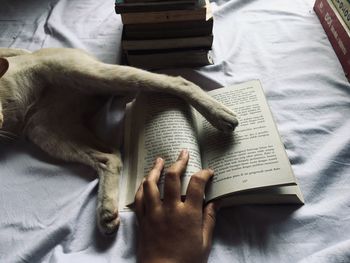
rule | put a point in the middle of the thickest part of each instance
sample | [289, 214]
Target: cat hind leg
[12, 52]
[63, 145]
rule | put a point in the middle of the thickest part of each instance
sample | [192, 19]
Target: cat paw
[216, 113]
[108, 220]
[222, 118]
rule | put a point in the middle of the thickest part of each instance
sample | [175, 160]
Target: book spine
[153, 7]
[148, 1]
[188, 42]
[154, 34]
[153, 61]
[167, 16]
[336, 30]
[343, 7]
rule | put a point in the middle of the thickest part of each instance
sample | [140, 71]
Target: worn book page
[251, 157]
[162, 126]
[128, 182]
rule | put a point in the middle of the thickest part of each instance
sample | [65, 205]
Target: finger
[139, 205]
[172, 182]
[156, 171]
[150, 187]
[209, 219]
[196, 188]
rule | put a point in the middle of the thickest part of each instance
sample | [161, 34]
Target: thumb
[209, 219]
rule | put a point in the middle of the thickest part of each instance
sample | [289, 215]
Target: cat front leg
[94, 77]
[216, 113]
[114, 79]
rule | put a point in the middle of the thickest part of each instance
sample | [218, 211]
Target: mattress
[48, 206]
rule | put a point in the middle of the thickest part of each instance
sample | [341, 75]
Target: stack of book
[166, 33]
[335, 19]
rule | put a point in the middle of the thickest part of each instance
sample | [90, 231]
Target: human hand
[172, 230]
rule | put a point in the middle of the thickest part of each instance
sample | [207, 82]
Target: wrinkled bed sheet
[47, 207]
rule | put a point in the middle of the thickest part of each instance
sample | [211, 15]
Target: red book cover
[336, 30]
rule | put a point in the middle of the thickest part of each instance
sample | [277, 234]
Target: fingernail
[159, 160]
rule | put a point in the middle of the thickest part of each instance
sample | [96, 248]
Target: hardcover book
[175, 43]
[189, 28]
[168, 58]
[151, 1]
[338, 33]
[198, 13]
[122, 7]
[343, 7]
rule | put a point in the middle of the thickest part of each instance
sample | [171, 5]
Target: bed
[47, 207]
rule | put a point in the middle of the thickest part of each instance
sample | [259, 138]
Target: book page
[251, 157]
[164, 125]
[128, 180]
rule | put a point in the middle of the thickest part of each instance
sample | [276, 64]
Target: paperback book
[250, 164]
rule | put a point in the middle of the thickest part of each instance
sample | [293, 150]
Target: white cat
[49, 95]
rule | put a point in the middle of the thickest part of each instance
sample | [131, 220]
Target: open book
[250, 165]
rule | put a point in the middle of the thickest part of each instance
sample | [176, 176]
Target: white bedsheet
[47, 207]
